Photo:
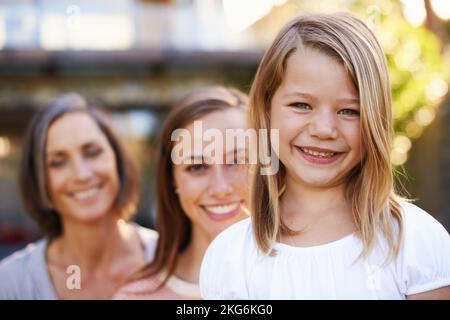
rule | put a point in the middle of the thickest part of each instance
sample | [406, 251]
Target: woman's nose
[219, 184]
[81, 170]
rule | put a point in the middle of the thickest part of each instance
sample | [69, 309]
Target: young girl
[195, 200]
[328, 224]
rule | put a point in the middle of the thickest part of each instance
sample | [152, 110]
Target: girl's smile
[318, 155]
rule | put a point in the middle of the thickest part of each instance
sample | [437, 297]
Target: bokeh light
[436, 89]
[441, 8]
[414, 11]
[413, 129]
[402, 143]
[424, 116]
[398, 158]
[5, 147]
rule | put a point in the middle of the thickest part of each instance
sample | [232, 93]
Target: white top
[234, 268]
[24, 274]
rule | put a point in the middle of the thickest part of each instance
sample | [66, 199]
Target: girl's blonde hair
[370, 185]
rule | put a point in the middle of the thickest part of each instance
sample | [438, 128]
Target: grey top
[24, 274]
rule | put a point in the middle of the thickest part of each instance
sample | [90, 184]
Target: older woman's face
[213, 195]
[81, 168]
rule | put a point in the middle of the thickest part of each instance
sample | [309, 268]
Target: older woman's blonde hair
[370, 184]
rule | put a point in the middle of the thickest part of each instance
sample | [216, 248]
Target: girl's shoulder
[223, 270]
[231, 245]
[238, 233]
[419, 224]
[424, 257]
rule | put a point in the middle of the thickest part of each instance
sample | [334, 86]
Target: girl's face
[81, 168]
[213, 196]
[316, 108]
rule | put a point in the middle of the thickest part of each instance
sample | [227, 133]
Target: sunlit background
[138, 57]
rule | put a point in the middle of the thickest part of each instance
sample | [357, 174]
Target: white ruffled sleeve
[222, 274]
[425, 256]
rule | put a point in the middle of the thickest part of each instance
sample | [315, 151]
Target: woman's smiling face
[213, 195]
[81, 168]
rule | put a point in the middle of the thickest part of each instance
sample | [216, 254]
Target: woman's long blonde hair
[370, 185]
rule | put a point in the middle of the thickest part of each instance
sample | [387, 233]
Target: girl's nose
[323, 125]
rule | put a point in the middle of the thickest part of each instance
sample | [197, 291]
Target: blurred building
[138, 57]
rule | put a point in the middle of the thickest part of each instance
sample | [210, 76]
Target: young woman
[198, 195]
[328, 224]
[81, 187]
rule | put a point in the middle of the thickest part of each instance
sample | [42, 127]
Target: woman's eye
[93, 152]
[195, 167]
[239, 161]
[349, 112]
[300, 105]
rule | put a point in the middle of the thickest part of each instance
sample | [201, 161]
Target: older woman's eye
[56, 163]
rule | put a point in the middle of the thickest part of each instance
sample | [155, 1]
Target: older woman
[80, 186]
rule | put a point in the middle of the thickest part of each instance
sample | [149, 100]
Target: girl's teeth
[222, 209]
[318, 154]
[83, 195]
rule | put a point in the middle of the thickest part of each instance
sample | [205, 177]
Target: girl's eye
[195, 167]
[349, 112]
[300, 106]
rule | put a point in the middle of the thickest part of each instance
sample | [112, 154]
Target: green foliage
[418, 71]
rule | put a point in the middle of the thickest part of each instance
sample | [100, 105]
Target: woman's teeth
[318, 154]
[86, 194]
[223, 209]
